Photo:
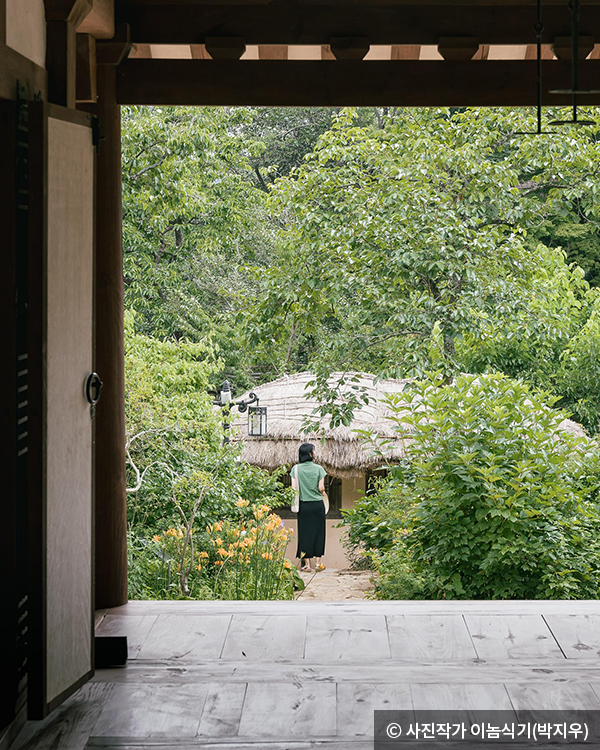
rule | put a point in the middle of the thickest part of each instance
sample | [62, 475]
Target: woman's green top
[309, 475]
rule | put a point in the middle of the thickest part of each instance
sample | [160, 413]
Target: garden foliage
[495, 500]
[392, 241]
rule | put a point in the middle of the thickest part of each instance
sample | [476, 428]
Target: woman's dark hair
[305, 452]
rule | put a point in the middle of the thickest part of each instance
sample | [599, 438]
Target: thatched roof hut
[341, 451]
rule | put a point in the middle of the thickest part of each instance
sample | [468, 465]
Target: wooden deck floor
[232, 675]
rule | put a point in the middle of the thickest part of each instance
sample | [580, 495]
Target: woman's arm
[295, 485]
[321, 486]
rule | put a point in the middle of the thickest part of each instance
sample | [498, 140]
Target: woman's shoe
[306, 570]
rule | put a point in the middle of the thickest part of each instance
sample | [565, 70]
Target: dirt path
[333, 585]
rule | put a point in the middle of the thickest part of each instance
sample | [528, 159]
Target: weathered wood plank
[99, 615]
[578, 635]
[430, 637]
[153, 710]
[222, 710]
[243, 744]
[512, 637]
[391, 671]
[355, 638]
[136, 628]
[69, 727]
[188, 638]
[279, 710]
[466, 697]
[363, 607]
[552, 696]
[357, 701]
[256, 637]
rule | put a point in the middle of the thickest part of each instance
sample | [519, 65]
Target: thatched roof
[339, 450]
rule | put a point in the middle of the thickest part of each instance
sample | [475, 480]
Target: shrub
[501, 502]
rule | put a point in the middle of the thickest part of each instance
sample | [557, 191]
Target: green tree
[399, 242]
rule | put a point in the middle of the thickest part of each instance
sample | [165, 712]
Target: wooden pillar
[63, 17]
[111, 514]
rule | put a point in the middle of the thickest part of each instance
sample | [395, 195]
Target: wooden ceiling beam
[349, 48]
[563, 47]
[225, 47]
[100, 22]
[85, 81]
[283, 23]
[319, 83]
[405, 52]
[458, 47]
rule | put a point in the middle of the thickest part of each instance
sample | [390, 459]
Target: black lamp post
[257, 415]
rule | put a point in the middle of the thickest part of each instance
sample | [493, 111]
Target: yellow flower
[218, 562]
[203, 554]
[218, 526]
[287, 564]
[199, 567]
[267, 555]
[222, 551]
[156, 538]
[219, 541]
[242, 503]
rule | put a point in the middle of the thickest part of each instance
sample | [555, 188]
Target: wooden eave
[309, 52]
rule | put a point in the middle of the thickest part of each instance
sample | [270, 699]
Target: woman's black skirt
[311, 529]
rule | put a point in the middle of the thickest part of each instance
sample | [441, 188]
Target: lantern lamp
[257, 421]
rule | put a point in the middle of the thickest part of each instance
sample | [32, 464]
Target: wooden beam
[406, 51]
[141, 50]
[273, 52]
[531, 52]
[86, 68]
[313, 24]
[63, 17]
[100, 22]
[348, 47]
[324, 83]
[73, 11]
[458, 47]
[113, 51]
[563, 47]
[225, 47]
[198, 52]
[61, 62]
[482, 53]
[16, 67]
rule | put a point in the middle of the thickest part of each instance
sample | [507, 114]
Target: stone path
[331, 585]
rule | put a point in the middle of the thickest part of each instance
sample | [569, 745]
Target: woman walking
[308, 478]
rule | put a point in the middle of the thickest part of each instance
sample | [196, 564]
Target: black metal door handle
[93, 387]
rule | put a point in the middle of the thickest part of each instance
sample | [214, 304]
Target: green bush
[501, 502]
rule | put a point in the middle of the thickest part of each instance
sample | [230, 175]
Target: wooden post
[111, 513]
[63, 17]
